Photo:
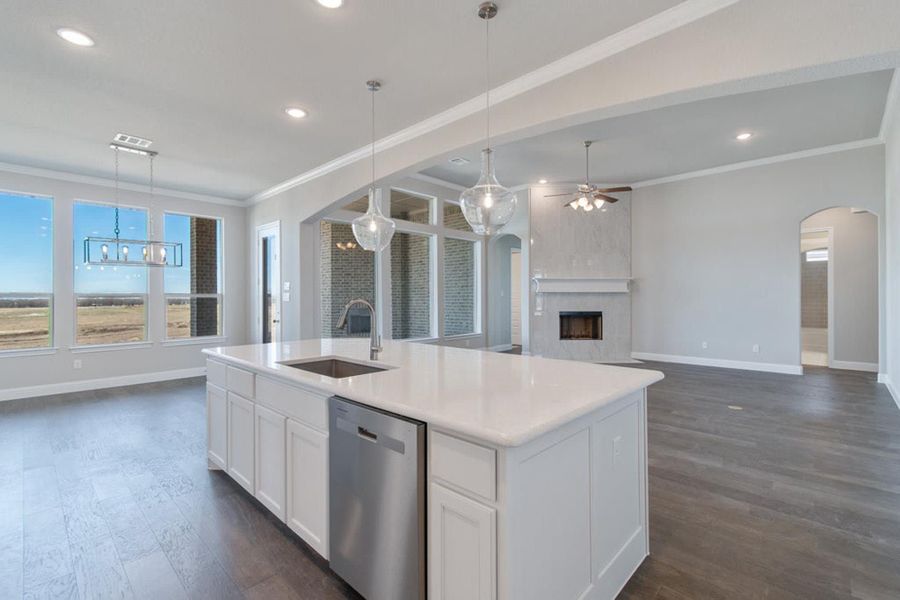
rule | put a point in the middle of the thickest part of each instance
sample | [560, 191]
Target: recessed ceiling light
[542, 181]
[74, 37]
[458, 160]
[331, 3]
[743, 137]
[297, 113]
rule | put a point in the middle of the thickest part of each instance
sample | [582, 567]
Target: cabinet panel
[462, 541]
[240, 381]
[270, 459]
[306, 407]
[216, 426]
[307, 485]
[240, 440]
[470, 466]
[216, 373]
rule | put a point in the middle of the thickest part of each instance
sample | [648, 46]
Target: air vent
[459, 160]
[132, 140]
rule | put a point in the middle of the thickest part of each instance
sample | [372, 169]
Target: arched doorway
[839, 289]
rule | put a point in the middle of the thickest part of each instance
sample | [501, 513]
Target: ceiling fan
[589, 195]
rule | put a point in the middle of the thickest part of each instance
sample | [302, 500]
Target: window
[347, 272]
[194, 291]
[411, 207]
[410, 286]
[460, 286]
[26, 271]
[110, 301]
[454, 218]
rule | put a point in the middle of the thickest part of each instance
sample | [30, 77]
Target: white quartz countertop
[502, 399]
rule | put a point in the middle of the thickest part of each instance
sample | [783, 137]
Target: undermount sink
[334, 367]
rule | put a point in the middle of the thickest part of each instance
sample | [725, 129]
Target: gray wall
[716, 258]
[58, 368]
[855, 270]
[892, 262]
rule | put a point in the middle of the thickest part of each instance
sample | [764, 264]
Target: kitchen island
[536, 469]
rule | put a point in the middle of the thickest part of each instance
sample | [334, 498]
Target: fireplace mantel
[581, 285]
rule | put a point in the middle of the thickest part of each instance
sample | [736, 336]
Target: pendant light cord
[487, 76]
[373, 88]
[116, 230]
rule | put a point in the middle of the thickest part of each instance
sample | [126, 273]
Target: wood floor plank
[152, 578]
[98, 571]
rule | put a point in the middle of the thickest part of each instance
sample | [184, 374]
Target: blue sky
[26, 244]
[26, 247]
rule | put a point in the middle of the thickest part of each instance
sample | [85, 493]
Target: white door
[307, 485]
[270, 459]
[240, 440]
[462, 563]
[216, 426]
[268, 282]
[515, 296]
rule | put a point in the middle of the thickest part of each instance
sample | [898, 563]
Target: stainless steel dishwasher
[377, 501]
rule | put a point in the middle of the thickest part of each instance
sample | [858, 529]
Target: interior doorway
[268, 292]
[839, 289]
[816, 280]
[515, 296]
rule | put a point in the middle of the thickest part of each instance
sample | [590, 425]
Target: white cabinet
[240, 440]
[462, 546]
[270, 460]
[307, 485]
[216, 426]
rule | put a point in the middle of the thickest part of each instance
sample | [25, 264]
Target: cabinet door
[240, 440]
[270, 459]
[307, 485]
[462, 540]
[216, 426]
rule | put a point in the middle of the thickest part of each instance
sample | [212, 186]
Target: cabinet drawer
[215, 373]
[294, 402]
[464, 464]
[240, 382]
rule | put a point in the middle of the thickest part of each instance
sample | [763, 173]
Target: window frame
[50, 348]
[221, 335]
[437, 233]
[147, 341]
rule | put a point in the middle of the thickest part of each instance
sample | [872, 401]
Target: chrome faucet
[374, 338]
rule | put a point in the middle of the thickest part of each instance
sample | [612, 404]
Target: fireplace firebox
[580, 325]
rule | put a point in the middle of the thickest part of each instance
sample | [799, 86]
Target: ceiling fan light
[599, 202]
[583, 202]
[589, 208]
[574, 204]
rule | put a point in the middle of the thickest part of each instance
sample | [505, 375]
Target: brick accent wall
[346, 274]
[813, 293]
[204, 276]
[410, 286]
[459, 286]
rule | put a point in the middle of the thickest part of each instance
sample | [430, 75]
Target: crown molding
[437, 181]
[890, 106]
[648, 29]
[110, 183]
[759, 162]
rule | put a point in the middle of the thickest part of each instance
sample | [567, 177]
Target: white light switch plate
[286, 297]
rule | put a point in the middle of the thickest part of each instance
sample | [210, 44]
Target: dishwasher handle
[379, 439]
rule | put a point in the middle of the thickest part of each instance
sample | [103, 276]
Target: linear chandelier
[118, 251]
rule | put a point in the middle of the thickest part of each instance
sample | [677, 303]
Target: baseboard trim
[849, 365]
[883, 378]
[720, 363]
[83, 385]
[500, 348]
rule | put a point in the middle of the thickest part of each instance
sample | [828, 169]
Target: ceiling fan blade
[558, 195]
[609, 199]
[625, 188]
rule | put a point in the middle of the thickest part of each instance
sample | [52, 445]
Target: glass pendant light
[373, 230]
[487, 205]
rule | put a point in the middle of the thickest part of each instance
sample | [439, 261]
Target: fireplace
[581, 325]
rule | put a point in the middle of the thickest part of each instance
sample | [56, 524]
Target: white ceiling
[693, 136]
[208, 80]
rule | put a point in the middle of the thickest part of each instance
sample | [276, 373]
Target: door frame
[829, 293]
[264, 231]
[512, 317]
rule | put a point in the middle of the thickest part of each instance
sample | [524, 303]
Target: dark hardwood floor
[797, 495]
